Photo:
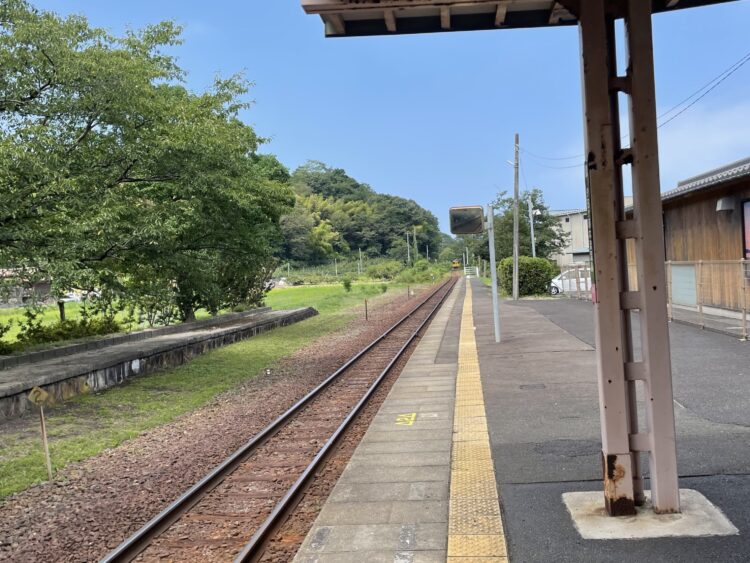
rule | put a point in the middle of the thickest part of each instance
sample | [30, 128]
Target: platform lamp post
[493, 270]
[470, 220]
[532, 213]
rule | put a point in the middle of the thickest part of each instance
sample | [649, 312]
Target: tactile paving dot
[473, 484]
[471, 450]
[477, 560]
[473, 465]
[477, 424]
[469, 400]
[469, 436]
[479, 545]
[475, 516]
[469, 412]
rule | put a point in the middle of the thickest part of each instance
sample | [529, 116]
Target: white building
[575, 224]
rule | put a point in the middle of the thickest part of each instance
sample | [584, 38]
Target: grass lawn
[86, 425]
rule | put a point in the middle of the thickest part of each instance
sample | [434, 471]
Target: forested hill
[335, 215]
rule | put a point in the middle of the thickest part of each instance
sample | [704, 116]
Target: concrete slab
[698, 518]
[370, 492]
[539, 527]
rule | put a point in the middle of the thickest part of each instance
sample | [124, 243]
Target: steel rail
[253, 549]
[130, 548]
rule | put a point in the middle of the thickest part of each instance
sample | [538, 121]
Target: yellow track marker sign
[406, 419]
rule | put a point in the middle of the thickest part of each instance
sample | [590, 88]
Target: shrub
[347, 282]
[422, 272]
[5, 348]
[383, 287]
[34, 333]
[386, 270]
[534, 275]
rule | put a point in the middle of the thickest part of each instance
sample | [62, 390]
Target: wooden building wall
[695, 231]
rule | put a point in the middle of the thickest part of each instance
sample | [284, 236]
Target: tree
[548, 234]
[116, 177]
[356, 217]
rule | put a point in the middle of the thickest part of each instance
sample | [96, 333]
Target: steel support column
[597, 50]
[618, 372]
[649, 248]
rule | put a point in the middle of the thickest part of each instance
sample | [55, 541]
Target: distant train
[455, 265]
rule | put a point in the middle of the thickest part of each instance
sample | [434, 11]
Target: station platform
[470, 455]
[105, 362]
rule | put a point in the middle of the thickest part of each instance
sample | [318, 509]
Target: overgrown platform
[97, 367]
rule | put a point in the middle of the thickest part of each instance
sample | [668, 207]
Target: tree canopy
[115, 176]
[335, 215]
[117, 179]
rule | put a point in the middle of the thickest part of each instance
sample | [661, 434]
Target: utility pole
[493, 270]
[531, 223]
[515, 222]
[408, 249]
[427, 246]
[360, 261]
[416, 252]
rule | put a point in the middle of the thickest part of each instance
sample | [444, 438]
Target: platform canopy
[345, 18]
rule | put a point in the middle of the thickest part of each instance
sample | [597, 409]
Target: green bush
[386, 270]
[5, 348]
[423, 272]
[534, 275]
[35, 333]
[347, 282]
[383, 287]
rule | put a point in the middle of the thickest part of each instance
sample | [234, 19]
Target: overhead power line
[713, 85]
[701, 93]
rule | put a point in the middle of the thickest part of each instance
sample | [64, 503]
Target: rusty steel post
[655, 369]
[597, 55]
[699, 290]
[669, 290]
[743, 273]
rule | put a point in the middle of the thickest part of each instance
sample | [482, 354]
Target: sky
[432, 117]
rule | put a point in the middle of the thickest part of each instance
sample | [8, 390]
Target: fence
[713, 294]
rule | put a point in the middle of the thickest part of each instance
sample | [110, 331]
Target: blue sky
[432, 117]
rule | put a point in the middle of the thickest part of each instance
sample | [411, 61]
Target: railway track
[234, 510]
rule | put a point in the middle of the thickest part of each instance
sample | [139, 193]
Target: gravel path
[92, 506]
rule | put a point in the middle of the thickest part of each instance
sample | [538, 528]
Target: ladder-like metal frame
[618, 372]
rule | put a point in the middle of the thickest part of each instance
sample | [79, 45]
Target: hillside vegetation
[151, 201]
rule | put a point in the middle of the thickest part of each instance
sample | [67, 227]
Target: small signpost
[40, 398]
[470, 220]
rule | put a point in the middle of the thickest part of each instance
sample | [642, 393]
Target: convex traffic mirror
[468, 220]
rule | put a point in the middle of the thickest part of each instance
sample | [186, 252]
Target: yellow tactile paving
[470, 450]
[476, 545]
[475, 527]
[471, 425]
[473, 465]
[464, 436]
[477, 560]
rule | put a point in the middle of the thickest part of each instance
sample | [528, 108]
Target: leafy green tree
[548, 234]
[115, 177]
[360, 218]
